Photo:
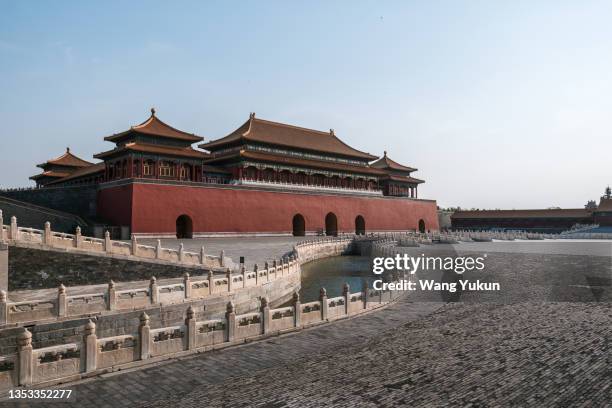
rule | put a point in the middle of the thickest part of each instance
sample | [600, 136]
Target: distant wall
[444, 219]
[34, 216]
[550, 225]
[78, 200]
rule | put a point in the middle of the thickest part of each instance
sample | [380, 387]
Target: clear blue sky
[499, 104]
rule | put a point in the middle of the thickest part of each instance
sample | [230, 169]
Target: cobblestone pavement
[526, 354]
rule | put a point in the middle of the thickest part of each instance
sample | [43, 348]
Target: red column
[130, 171]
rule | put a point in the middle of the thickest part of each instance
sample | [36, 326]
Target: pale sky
[499, 104]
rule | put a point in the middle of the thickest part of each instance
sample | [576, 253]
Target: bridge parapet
[51, 240]
[92, 356]
[68, 304]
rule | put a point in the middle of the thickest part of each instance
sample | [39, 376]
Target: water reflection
[332, 273]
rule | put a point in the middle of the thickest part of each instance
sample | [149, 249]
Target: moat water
[332, 273]
[526, 271]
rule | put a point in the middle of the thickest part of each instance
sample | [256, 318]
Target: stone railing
[313, 249]
[412, 238]
[313, 188]
[115, 299]
[587, 235]
[48, 239]
[92, 356]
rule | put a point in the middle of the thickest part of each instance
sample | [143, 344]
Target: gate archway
[184, 227]
[331, 224]
[421, 226]
[360, 225]
[299, 225]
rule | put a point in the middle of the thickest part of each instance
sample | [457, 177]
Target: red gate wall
[153, 209]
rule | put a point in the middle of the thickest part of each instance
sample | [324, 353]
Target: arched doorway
[421, 226]
[184, 227]
[331, 225]
[299, 225]
[359, 225]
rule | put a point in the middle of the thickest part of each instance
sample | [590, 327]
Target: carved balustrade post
[324, 306]
[297, 309]
[14, 233]
[158, 249]
[61, 301]
[265, 315]
[187, 284]
[134, 245]
[77, 237]
[244, 276]
[346, 292]
[228, 276]
[24, 344]
[144, 332]
[47, 235]
[91, 347]
[3, 307]
[211, 282]
[202, 256]
[108, 245]
[190, 324]
[230, 316]
[181, 252]
[153, 292]
[112, 296]
[222, 258]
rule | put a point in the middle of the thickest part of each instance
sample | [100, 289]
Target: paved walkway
[254, 249]
[466, 355]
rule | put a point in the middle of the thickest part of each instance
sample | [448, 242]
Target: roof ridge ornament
[252, 115]
[152, 111]
[332, 132]
[385, 153]
[67, 150]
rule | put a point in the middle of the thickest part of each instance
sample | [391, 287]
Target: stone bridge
[120, 329]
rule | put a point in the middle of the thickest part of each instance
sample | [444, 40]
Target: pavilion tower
[153, 150]
[397, 181]
[58, 168]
